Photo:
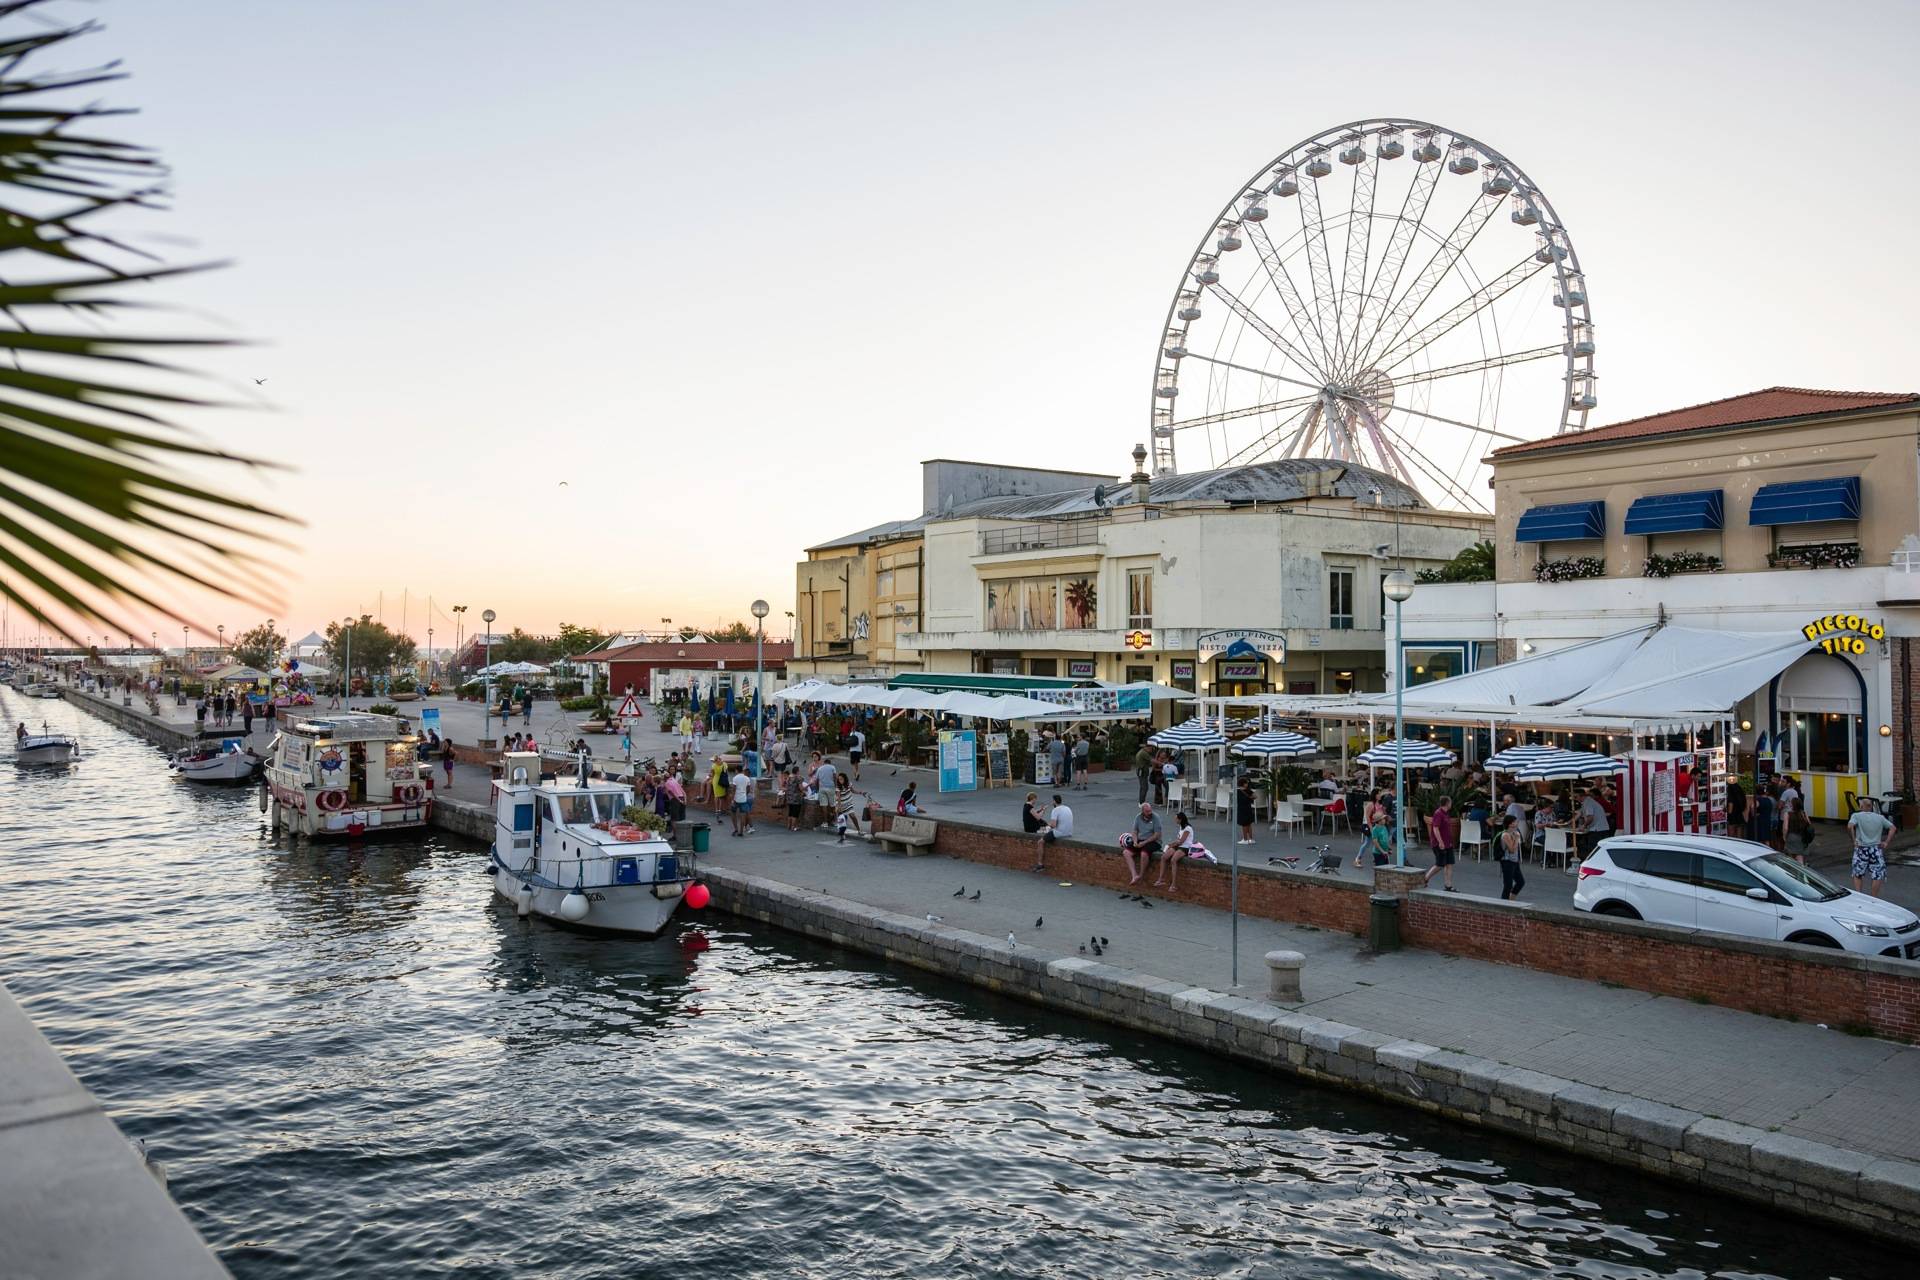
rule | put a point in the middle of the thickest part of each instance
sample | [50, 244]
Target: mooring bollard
[1283, 976]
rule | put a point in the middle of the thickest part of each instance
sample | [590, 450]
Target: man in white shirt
[856, 750]
[1591, 824]
[1059, 827]
[742, 788]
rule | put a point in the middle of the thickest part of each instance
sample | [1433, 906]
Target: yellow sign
[1137, 640]
[1843, 632]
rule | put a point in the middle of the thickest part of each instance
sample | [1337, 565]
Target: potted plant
[646, 819]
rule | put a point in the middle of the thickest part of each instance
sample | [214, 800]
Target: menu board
[999, 761]
[1042, 769]
[957, 772]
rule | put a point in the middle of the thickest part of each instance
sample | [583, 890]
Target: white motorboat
[44, 750]
[563, 851]
[42, 690]
[346, 775]
[227, 761]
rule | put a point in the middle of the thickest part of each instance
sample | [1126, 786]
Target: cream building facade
[1765, 513]
[1253, 579]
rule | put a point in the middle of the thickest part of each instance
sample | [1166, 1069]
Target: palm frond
[95, 515]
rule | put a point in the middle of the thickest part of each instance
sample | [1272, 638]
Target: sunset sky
[730, 271]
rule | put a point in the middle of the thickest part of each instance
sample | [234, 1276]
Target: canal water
[354, 1062]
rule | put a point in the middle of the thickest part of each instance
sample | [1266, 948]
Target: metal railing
[1040, 537]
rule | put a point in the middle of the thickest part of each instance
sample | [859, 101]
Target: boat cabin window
[610, 805]
[576, 808]
[523, 817]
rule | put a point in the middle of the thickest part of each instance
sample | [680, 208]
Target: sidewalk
[1856, 1094]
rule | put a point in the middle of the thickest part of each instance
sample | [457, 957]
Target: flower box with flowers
[1816, 555]
[1665, 566]
[1571, 569]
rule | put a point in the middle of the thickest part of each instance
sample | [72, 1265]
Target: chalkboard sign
[999, 762]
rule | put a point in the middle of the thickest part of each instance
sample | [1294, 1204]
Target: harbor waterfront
[1847, 1083]
[352, 1058]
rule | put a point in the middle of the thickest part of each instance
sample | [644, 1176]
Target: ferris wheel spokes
[1366, 170]
[1283, 284]
[1467, 308]
[1438, 267]
[1326, 308]
[1479, 366]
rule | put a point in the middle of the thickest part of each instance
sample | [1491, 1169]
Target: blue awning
[1807, 501]
[1675, 512]
[1563, 522]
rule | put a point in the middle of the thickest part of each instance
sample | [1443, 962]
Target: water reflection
[356, 1061]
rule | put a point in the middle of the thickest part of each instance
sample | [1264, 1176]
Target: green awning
[975, 682]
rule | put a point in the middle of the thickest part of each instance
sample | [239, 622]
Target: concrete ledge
[1848, 1188]
[76, 1200]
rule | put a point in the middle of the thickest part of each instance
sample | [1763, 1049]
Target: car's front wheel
[1618, 910]
[1814, 940]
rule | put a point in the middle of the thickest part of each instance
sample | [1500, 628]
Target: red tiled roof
[1771, 404]
[695, 651]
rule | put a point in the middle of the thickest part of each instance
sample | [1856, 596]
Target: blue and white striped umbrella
[1276, 742]
[1568, 765]
[1409, 752]
[1515, 758]
[1192, 735]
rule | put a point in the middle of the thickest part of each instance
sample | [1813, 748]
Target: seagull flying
[259, 382]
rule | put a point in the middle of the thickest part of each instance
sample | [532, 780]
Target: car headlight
[1862, 927]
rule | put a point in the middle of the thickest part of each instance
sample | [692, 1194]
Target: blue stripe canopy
[1513, 758]
[1561, 765]
[1192, 735]
[1806, 501]
[1408, 751]
[1563, 522]
[1676, 512]
[1276, 742]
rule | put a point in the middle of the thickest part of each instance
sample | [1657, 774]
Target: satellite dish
[1099, 495]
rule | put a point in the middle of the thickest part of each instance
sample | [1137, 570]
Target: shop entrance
[1820, 732]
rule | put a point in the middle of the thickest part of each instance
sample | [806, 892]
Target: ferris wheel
[1362, 299]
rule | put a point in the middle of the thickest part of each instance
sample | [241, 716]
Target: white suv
[1738, 886]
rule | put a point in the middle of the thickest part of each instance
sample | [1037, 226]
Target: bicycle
[1322, 863]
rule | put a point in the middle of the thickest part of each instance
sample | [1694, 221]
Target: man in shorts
[742, 785]
[1870, 830]
[856, 751]
[1146, 839]
[1440, 827]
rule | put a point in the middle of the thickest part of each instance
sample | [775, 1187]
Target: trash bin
[701, 837]
[1383, 933]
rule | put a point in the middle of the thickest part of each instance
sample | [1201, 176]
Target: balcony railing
[1816, 555]
[1039, 537]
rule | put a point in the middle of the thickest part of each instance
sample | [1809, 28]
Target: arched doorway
[1820, 731]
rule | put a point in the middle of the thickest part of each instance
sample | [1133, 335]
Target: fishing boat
[44, 750]
[42, 690]
[226, 761]
[562, 850]
[346, 775]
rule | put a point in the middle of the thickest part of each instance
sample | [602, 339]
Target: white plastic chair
[1288, 817]
[1222, 798]
[1471, 837]
[1560, 841]
[1177, 793]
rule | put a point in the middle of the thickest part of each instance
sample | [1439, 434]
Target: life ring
[331, 801]
[408, 794]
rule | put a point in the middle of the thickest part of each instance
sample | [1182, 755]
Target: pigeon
[1094, 941]
[1146, 904]
[961, 892]
[1010, 942]
[1097, 951]
[975, 897]
[1038, 921]
[1083, 948]
[932, 918]
[1105, 943]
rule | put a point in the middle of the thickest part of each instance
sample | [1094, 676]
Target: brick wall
[1772, 978]
[1781, 981]
[1905, 712]
[1269, 894]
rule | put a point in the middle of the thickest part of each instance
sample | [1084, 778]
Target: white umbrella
[1189, 735]
[1569, 765]
[1408, 752]
[524, 669]
[1275, 742]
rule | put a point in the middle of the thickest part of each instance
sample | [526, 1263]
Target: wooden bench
[913, 835]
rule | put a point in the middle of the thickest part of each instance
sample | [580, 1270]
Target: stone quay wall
[133, 719]
[1875, 1195]
[1869, 994]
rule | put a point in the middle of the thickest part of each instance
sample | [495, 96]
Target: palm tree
[1082, 597]
[94, 512]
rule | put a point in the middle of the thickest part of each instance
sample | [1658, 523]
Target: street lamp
[346, 678]
[459, 632]
[487, 617]
[1398, 585]
[222, 629]
[760, 611]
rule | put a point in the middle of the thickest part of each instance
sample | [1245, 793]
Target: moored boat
[564, 851]
[346, 775]
[226, 761]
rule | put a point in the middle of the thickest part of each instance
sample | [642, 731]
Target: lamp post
[1398, 585]
[487, 617]
[459, 632]
[760, 612]
[346, 677]
[222, 643]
